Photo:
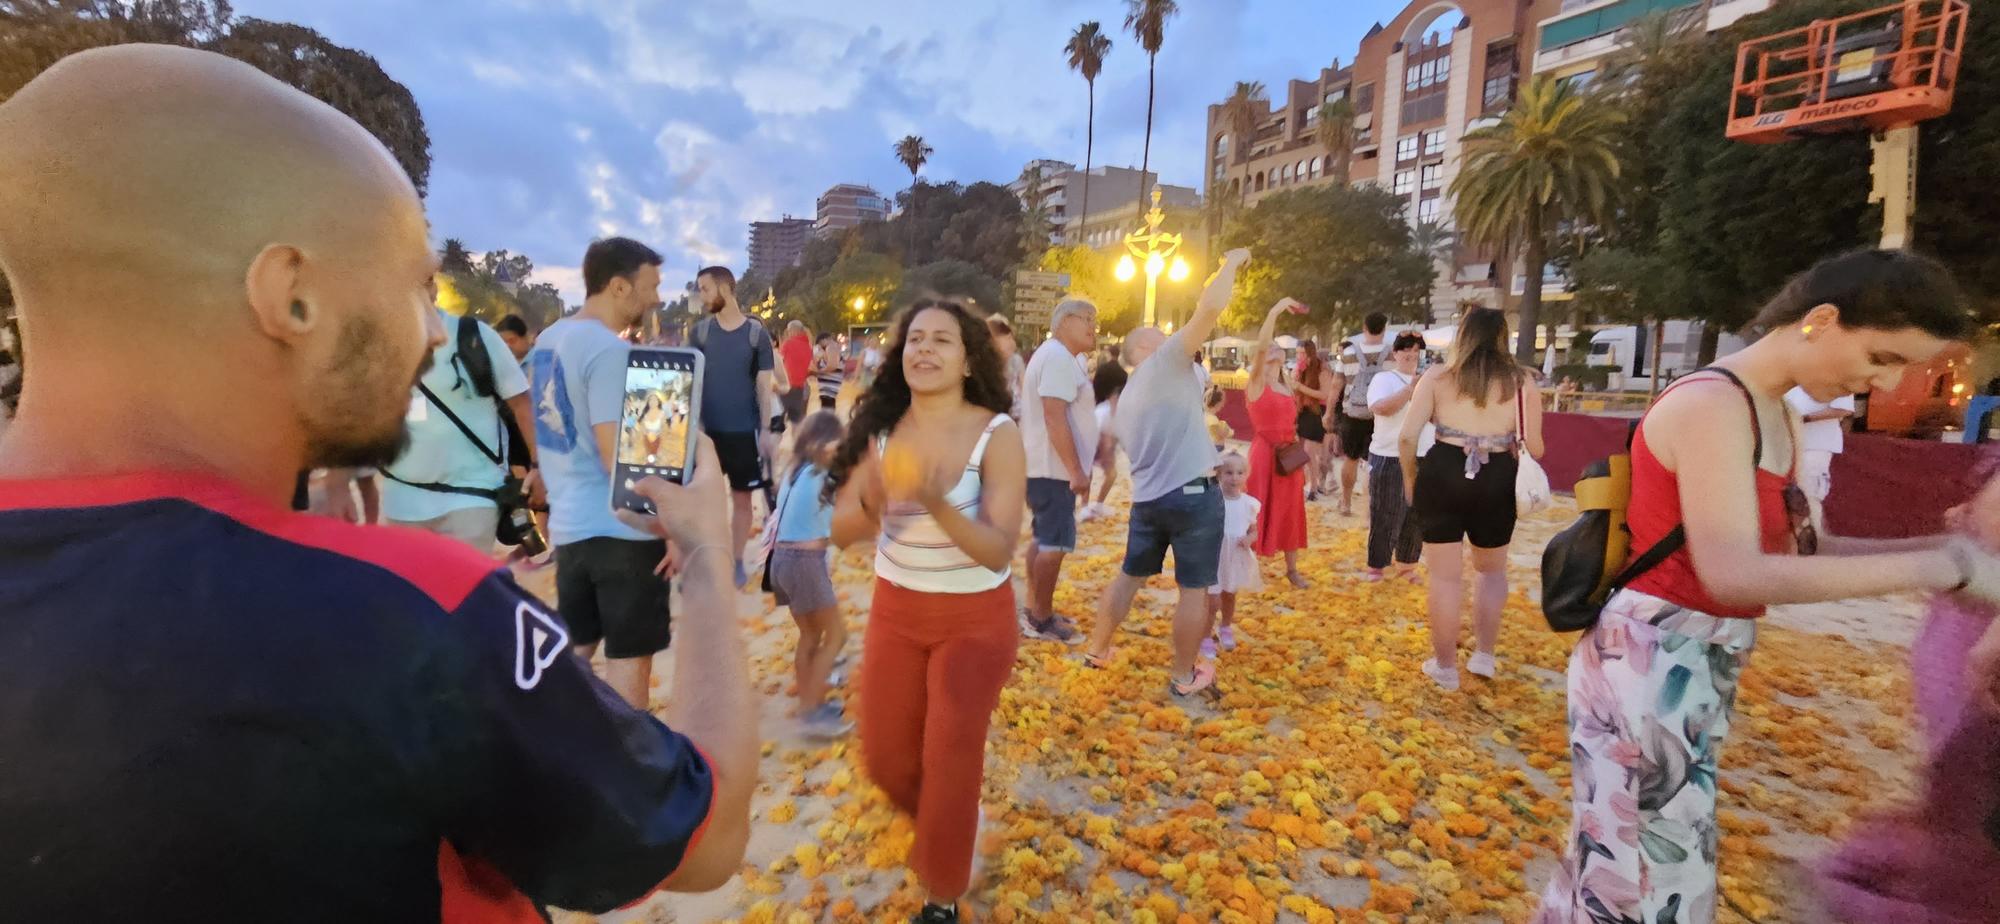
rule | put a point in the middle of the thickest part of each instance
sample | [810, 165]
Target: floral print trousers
[1651, 688]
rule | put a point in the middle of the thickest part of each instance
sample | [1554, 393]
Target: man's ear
[272, 287]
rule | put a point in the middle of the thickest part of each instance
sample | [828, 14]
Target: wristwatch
[777, 423]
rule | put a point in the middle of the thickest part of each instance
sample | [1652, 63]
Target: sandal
[1203, 679]
[1099, 663]
[1298, 580]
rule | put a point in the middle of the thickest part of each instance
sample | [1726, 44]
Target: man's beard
[339, 430]
[716, 304]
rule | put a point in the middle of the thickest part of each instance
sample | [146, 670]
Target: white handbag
[1532, 494]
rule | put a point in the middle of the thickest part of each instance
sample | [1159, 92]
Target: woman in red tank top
[1652, 684]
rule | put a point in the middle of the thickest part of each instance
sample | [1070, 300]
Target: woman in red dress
[1274, 414]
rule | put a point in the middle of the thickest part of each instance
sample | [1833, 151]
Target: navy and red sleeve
[580, 800]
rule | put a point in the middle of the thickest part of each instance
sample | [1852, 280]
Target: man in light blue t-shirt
[440, 455]
[607, 585]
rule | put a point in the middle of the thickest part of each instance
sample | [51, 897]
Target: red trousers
[932, 666]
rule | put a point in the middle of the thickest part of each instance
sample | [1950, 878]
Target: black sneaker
[936, 914]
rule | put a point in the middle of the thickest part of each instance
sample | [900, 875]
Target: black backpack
[1586, 562]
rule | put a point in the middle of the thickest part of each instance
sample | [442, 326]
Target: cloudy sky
[680, 121]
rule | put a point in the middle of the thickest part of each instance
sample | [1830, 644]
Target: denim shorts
[1188, 520]
[1053, 508]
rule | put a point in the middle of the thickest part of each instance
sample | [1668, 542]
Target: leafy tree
[952, 278]
[1148, 21]
[1344, 251]
[1551, 160]
[506, 267]
[827, 301]
[1086, 49]
[1732, 221]
[1090, 276]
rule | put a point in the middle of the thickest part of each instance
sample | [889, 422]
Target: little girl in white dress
[1238, 568]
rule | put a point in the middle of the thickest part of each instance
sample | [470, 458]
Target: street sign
[1036, 294]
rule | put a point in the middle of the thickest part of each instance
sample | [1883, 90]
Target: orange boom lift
[1882, 71]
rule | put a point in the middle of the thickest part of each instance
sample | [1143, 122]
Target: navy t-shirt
[212, 706]
[731, 361]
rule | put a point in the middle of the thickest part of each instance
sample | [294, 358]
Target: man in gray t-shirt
[1175, 502]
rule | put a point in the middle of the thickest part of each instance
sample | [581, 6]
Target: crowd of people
[392, 709]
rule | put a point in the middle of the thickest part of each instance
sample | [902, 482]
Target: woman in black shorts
[1487, 411]
[1310, 390]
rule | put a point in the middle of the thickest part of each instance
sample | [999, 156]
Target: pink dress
[1275, 418]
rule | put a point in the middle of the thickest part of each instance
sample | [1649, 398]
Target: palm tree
[1241, 112]
[1550, 160]
[1432, 240]
[1148, 21]
[914, 153]
[1087, 47]
[1336, 134]
[1646, 41]
[455, 258]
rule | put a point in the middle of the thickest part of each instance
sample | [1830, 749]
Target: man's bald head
[1141, 344]
[154, 196]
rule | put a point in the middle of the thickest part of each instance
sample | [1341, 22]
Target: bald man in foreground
[212, 708]
[1176, 503]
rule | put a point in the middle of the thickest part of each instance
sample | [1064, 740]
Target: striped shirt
[914, 551]
[829, 375]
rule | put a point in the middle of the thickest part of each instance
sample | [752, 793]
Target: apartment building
[1114, 200]
[1417, 84]
[776, 245]
[847, 205]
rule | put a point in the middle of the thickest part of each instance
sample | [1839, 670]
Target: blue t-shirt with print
[578, 373]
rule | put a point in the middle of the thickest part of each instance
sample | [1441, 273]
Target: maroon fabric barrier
[1884, 487]
[1572, 441]
[1887, 487]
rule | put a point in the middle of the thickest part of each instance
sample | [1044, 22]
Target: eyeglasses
[1804, 534]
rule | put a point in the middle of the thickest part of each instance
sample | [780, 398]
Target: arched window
[1313, 167]
[1221, 146]
[1260, 182]
[1300, 170]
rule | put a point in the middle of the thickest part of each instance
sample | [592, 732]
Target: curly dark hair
[882, 406]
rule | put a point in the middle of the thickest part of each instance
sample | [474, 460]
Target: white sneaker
[1086, 513]
[1480, 663]
[1444, 677]
[1100, 510]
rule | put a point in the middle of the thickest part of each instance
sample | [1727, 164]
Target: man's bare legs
[1044, 568]
[739, 528]
[1112, 608]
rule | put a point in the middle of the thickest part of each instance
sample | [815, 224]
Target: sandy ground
[1091, 774]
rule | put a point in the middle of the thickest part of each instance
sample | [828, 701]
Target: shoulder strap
[491, 455]
[979, 449]
[1756, 428]
[1651, 558]
[778, 518]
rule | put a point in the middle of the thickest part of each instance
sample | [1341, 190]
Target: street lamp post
[1153, 248]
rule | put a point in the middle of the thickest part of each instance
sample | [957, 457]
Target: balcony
[1592, 29]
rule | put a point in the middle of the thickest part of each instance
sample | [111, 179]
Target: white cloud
[497, 73]
[568, 280]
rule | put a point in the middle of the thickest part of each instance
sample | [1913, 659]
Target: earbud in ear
[1807, 330]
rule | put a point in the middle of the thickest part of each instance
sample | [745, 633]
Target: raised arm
[1265, 336]
[1213, 299]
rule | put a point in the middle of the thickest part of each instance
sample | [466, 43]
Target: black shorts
[606, 591]
[1355, 432]
[1452, 507]
[828, 402]
[1312, 427]
[794, 403]
[741, 460]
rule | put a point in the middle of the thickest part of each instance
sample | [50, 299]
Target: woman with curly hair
[933, 470]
